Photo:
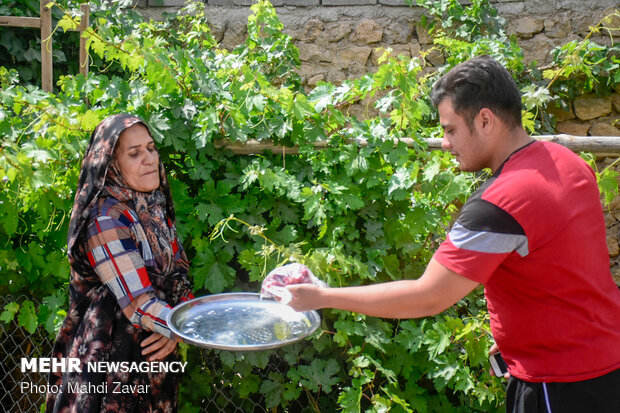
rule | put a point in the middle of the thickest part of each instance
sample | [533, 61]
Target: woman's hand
[158, 346]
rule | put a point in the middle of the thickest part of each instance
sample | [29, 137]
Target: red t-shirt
[534, 236]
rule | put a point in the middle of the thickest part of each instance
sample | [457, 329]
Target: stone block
[352, 57]
[399, 31]
[435, 57]
[581, 22]
[310, 52]
[347, 2]
[367, 31]
[296, 3]
[313, 71]
[311, 31]
[558, 27]
[560, 114]
[612, 18]
[615, 272]
[539, 7]
[612, 244]
[336, 77]
[525, 27]
[415, 48]
[591, 106]
[217, 31]
[166, 3]
[537, 49]
[229, 3]
[334, 32]
[234, 34]
[606, 127]
[615, 100]
[585, 6]
[398, 3]
[510, 10]
[575, 128]
[423, 36]
[314, 80]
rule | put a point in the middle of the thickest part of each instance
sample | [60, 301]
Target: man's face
[467, 146]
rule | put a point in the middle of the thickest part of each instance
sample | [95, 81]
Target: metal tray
[240, 322]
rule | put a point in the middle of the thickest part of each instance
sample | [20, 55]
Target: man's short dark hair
[480, 82]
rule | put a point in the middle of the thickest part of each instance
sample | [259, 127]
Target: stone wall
[591, 115]
[339, 39]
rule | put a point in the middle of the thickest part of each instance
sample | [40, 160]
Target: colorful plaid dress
[128, 269]
[120, 254]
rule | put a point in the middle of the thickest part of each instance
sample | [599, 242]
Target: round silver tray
[240, 322]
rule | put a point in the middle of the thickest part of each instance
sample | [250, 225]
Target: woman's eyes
[135, 154]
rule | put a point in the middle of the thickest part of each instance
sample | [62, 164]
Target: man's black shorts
[598, 395]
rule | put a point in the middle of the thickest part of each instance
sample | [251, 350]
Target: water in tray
[238, 324]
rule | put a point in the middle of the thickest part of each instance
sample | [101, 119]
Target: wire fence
[25, 392]
[15, 343]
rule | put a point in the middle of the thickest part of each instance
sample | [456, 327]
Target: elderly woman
[127, 269]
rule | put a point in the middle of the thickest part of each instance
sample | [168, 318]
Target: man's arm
[437, 289]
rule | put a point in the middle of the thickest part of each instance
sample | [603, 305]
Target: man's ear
[486, 119]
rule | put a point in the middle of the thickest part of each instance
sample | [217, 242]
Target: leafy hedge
[354, 213]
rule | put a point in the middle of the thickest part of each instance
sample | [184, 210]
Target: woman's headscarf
[100, 176]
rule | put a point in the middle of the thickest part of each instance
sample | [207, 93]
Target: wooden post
[84, 23]
[11, 21]
[44, 24]
[47, 74]
[598, 145]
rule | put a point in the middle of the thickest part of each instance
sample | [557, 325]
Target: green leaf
[301, 107]
[319, 375]
[219, 277]
[349, 399]
[253, 263]
[246, 385]
[67, 23]
[272, 389]
[400, 182]
[432, 168]
[322, 96]
[608, 184]
[9, 312]
[27, 317]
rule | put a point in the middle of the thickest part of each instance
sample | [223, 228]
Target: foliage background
[355, 214]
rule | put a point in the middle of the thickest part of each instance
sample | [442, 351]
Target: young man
[533, 235]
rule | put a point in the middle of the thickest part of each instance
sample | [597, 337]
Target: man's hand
[304, 297]
[158, 346]
[494, 349]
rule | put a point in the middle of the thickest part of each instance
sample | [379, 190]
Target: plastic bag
[274, 284]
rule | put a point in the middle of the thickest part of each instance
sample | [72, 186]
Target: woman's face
[137, 158]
